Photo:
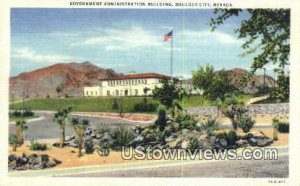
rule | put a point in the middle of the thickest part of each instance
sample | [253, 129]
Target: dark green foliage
[161, 117]
[115, 105]
[245, 123]
[267, 34]
[145, 107]
[88, 146]
[26, 112]
[186, 121]
[123, 137]
[282, 92]
[210, 124]
[231, 137]
[194, 144]
[171, 90]
[203, 77]
[13, 139]
[34, 145]
[283, 127]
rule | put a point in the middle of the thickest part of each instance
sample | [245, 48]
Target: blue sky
[123, 39]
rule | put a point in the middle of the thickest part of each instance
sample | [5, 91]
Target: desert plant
[275, 124]
[13, 140]
[176, 109]
[80, 127]
[101, 129]
[186, 121]
[231, 137]
[123, 136]
[35, 145]
[210, 124]
[194, 144]
[157, 135]
[88, 146]
[283, 127]
[245, 123]
[20, 128]
[161, 117]
[61, 118]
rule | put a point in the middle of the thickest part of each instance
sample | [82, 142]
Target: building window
[136, 92]
[108, 93]
[117, 92]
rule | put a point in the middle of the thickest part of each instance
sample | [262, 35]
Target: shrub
[245, 123]
[123, 136]
[283, 127]
[27, 112]
[34, 145]
[161, 117]
[231, 137]
[157, 135]
[115, 105]
[194, 144]
[101, 129]
[88, 146]
[144, 107]
[186, 121]
[13, 140]
[210, 124]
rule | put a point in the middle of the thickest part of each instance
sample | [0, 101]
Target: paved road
[48, 129]
[219, 169]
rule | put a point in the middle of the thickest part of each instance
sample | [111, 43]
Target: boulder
[252, 141]
[185, 144]
[264, 142]
[174, 144]
[223, 142]
[242, 143]
[69, 138]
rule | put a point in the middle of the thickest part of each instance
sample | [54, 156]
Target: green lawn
[104, 104]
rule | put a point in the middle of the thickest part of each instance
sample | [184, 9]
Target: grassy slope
[104, 104]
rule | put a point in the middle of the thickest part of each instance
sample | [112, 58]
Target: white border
[294, 150]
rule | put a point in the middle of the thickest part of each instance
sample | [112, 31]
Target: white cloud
[207, 36]
[117, 39]
[28, 54]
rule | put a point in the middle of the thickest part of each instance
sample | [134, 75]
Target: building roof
[138, 76]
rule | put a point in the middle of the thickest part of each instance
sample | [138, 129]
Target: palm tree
[62, 118]
[80, 127]
[20, 128]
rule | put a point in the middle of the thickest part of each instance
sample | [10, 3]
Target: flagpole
[172, 55]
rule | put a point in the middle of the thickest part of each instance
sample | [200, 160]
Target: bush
[34, 145]
[283, 127]
[101, 129]
[210, 124]
[161, 117]
[186, 121]
[123, 137]
[27, 112]
[115, 105]
[231, 137]
[194, 144]
[245, 123]
[88, 146]
[144, 106]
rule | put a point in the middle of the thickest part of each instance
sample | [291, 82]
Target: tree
[215, 84]
[169, 91]
[266, 33]
[61, 118]
[80, 127]
[58, 89]
[203, 77]
[20, 128]
[146, 89]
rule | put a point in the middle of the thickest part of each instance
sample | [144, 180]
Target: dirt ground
[68, 155]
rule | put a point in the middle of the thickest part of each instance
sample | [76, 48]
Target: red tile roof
[138, 76]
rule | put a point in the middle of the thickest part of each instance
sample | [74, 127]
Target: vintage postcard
[106, 90]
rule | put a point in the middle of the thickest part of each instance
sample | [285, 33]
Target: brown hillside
[70, 77]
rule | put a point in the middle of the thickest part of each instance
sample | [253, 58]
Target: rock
[264, 142]
[223, 142]
[73, 144]
[106, 137]
[98, 136]
[175, 126]
[252, 141]
[12, 157]
[175, 143]
[170, 138]
[185, 144]
[242, 143]
[185, 131]
[137, 129]
[68, 138]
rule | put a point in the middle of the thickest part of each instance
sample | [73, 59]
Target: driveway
[46, 128]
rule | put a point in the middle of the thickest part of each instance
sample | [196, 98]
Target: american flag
[168, 36]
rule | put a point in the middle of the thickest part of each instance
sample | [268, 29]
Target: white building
[126, 85]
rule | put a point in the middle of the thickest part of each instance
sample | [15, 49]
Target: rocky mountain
[58, 80]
